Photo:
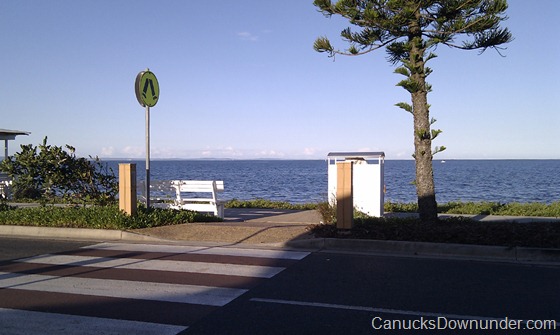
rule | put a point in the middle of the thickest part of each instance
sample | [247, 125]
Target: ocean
[304, 181]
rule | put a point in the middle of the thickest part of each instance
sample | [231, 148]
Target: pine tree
[409, 30]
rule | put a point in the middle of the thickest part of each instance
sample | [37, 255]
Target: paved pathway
[243, 225]
[115, 288]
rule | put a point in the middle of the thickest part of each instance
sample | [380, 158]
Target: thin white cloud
[247, 36]
[227, 152]
[107, 151]
[231, 152]
[133, 151]
[269, 154]
[309, 151]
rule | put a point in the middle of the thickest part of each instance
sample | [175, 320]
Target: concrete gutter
[74, 233]
[431, 250]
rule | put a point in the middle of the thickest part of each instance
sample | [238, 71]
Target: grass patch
[452, 230]
[97, 217]
[484, 208]
[459, 230]
[267, 204]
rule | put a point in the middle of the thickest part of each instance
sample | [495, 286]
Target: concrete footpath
[274, 228]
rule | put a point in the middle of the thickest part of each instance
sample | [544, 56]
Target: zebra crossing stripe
[157, 265]
[259, 253]
[113, 288]
[190, 294]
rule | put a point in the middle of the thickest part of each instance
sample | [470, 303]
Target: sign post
[147, 94]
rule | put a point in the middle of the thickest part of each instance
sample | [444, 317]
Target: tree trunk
[425, 189]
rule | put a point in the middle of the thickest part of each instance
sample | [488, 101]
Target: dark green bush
[50, 173]
[268, 204]
[459, 230]
[101, 217]
[484, 208]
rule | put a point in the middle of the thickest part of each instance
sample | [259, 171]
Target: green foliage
[403, 70]
[532, 209]
[398, 207]
[510, 209]
[97, 217]
[453, 230]
[410, 84]
[476, 208]
[435, 133]
[405, 106]
[263, 203]
[47, 173]
[327, 212]
[438, 149]
[322, 44]
[4, 206]
[484, 208]
[155, 217]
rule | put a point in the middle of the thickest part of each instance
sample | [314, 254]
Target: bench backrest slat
[199, 186]
[200, 189]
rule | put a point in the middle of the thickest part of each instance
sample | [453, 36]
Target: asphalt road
[13, 248]
[328, 293]
[344, 293]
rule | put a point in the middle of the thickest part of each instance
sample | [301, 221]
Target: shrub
[478, 208]
[451, 230]
[100, 217]
[484, 208]
[327, 212]
[48, 173]
[269, 204]
[400, 207]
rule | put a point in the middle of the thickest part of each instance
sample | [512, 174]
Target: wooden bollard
[344, 196]
[127, 188]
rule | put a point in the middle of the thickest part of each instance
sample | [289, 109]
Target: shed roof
[357, 154]
[6, 134]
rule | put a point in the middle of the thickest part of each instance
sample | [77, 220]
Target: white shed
[368, 184]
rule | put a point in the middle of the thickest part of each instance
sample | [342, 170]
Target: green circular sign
[147, 88]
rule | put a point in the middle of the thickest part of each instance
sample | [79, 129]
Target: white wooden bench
[162, 193]
[199, 195]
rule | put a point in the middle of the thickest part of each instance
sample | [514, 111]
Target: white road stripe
[368, 309]
[380, 310]
[192, 294]
[259, 253]
[157, 265]
[17, 322]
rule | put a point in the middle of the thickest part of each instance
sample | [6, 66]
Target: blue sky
[240, 79]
